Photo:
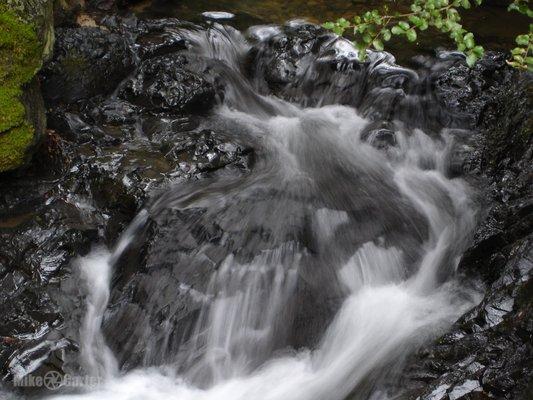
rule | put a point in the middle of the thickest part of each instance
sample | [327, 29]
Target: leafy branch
[371, 29]
[522, 56]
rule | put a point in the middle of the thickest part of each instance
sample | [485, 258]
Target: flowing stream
[379, 228]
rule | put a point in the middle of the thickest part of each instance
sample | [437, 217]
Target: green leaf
[342, 22]
[404, 25]
[518, 50]
[522, 40]
[453, 14]
[411, 35]
[396, 30]
[386, 34]
[478, 51]
[328, 25]
[417, 21]
[469, 40]
[361, 50]
[471, 60]
[378, 44]
[465, 4]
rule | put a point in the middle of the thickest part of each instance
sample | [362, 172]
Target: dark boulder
[87, 61]
[41, 235]
[164, 84]
[159, 281]
[469, 92]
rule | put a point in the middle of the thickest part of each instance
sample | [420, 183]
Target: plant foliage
[375, 27]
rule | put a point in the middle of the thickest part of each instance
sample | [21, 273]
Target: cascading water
[379, 229]
[96, 357]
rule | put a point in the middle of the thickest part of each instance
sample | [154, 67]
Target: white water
[392, 303]
[384, 315]
[95, 270]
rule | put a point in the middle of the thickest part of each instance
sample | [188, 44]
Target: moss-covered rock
[13, 145]
[38, 14]
[26, 39]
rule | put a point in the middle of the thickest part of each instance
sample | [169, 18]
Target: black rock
[86, 62]
[164, 84]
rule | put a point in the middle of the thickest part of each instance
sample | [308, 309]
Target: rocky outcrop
[489, 352]
[101, 160]
[26, 38]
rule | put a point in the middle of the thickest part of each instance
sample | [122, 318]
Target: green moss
[20, 59]
[13, 145]
[12, 111]
[20, 50]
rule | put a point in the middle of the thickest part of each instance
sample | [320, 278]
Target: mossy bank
[26, 38]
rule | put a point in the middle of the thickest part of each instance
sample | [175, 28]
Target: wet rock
[38, 246]
[114, 112]
[151, 295]
[283, 56]
[217, 15]
[304, 63]
[87, 61]
[380, 138]
[158, 41]
[164, 84]
[164, 128]
[72, 126]
[488, 353]
[298, 61]
[470, 91]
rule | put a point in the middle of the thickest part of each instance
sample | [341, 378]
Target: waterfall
[381, 229]
[97, 359]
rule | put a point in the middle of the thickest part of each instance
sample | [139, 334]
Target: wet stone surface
[488, 353]
[103, 159]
